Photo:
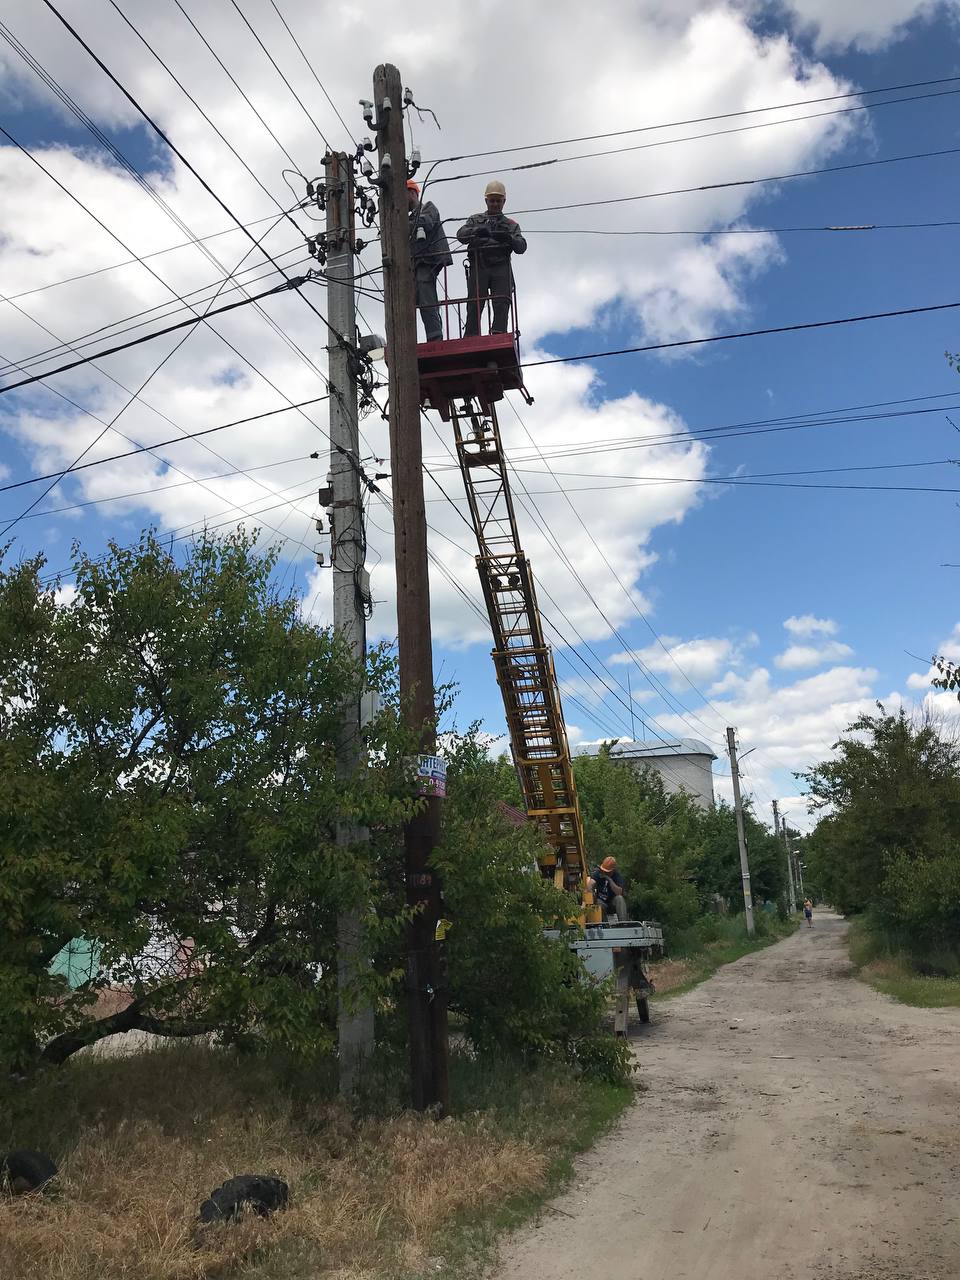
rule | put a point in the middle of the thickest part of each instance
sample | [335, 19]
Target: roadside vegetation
[168, 805]
[896, 972]
[142, 1140]
[888, 852]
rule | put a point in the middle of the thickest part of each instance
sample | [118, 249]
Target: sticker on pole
[432, 775]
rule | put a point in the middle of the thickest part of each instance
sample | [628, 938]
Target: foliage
[168, 789]
[519, 993]
[676, 857]
[890, 843]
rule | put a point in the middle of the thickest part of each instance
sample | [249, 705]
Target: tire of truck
[643, 1008]
[23, 1171]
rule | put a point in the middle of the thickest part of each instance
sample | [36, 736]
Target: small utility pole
[426, 970]
[350, 591]
[780, 828]
[741, 836]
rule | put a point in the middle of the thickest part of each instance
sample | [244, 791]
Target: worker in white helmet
[491, 238]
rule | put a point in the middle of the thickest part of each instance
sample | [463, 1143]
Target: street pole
[782, 832]
[426, 968]
[355, 1028]
[741, 836]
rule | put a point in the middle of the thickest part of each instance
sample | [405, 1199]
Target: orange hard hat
[413, 186]
[608, 864]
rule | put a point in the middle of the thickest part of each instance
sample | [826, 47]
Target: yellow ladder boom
[522, 658]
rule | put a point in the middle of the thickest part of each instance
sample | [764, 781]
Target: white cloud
[700, 59]
[865, 24]
[808, 625]
[798, 656]
[699, 659]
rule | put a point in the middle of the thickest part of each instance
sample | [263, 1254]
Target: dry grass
[141, 1141]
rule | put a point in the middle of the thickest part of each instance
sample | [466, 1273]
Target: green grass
[380, 1196]
[888, 968]
[697, 953]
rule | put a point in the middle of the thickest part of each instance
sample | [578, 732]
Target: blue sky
[718, 570]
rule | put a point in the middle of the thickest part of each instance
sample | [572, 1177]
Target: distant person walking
[808, 912]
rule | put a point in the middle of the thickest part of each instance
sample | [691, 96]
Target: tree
[890, 841]
[518, 992]
[168, 790]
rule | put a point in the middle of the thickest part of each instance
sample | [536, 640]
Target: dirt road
[796, 1124]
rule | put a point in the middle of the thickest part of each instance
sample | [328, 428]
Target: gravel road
[795, 1123]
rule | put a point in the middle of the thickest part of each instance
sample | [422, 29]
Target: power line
[163, 444]
[275, 66]
[760, 475]
[288, 284]
[130, 262]
[724, 115]
[173, 147]
[100, 223]
[310, 67]
[693, 137]
[131, 322]
[748, 333]
[161, 488]
[738, 182]
[745, 231]
[236, 84]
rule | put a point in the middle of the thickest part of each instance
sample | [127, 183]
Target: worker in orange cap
[431, 253]
[607, 884]
[491, 239]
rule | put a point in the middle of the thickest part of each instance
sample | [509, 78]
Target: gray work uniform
[431, 254]
[490, 240]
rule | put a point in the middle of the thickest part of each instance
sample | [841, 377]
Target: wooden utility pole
[741, 835]
[350, 590]
[780, 830]
[426, 969]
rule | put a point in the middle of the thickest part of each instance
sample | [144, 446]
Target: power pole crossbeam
[741, 834]
[426, 975]
[355, 1027]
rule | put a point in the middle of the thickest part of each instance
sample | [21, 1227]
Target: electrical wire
[163, 444]
[130, 262]
[193, 297]
[847, 229]
[748, 333]
[287, 285]
[737, 182]
[138, 107]
[693, 137]
[310, 67]
[236, 84]
[276, 68]
[160, 488]
[724, 115]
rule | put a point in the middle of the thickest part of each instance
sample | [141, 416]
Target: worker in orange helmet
[430, 253]
[606, 882]
[491, 239]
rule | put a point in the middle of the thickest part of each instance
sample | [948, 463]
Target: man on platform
[491, 238]
[607, 885]
[431, 253]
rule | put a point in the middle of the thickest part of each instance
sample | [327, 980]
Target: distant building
[684, 764]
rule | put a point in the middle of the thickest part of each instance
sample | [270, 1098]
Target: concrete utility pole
[782, 833]
[741, 836]
[350, 590]
[426, 968]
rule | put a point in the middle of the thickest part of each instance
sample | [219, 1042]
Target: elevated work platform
[478, 369]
